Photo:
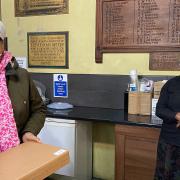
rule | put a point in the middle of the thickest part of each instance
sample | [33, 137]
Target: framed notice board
[40, 7]
[137, 26]
[48, 49]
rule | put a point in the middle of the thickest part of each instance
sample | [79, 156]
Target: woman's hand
[178, 119]
[28, 136]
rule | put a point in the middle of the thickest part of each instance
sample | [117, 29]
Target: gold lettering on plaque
[47, 50]
[38, 7]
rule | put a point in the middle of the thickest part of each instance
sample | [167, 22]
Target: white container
[154, 103]
[133, 86]
[74, 136]
[142, 87]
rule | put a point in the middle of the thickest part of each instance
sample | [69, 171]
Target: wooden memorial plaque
[48, 49]
[137, 26]
[164, 61]
[40, 7]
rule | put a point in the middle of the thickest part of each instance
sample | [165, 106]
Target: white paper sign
[61, 151]
[22, 61]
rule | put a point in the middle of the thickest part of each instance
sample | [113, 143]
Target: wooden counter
[135, 152]
[136, 141]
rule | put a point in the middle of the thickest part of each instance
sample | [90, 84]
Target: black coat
[167, 107]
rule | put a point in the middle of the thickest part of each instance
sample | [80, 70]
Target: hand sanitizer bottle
[133, 86]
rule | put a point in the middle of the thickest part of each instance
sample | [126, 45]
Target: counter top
[117, 116]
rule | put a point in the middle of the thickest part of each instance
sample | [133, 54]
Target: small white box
[154, 102]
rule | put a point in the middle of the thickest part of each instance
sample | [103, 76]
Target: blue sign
[60, 85]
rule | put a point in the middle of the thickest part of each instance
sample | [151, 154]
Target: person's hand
[178, 119]
[28, 136]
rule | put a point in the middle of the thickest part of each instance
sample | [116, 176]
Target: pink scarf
[8, 130]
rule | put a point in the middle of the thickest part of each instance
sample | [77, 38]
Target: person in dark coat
[168, 151]
[22, 111]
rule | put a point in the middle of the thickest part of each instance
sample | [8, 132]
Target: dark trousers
[168, 162]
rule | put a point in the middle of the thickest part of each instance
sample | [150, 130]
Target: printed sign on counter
[60, 83]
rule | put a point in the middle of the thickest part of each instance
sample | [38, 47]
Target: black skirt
[168, 162]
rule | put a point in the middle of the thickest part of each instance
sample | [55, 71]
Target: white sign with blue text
[60, 85]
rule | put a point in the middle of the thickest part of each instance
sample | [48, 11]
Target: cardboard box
[139, 103]
[31, 161]
[133, 103]
[158, 85]
[145, 103]
[157, 88]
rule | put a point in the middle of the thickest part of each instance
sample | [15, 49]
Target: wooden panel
[138, 131]
[140, 158]
[135, 152]
[136, 26]
[119, 157]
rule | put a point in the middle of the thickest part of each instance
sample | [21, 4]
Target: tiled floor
[58, 177]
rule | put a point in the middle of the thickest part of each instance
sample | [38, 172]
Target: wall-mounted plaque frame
[164, 61]
[0, 11]
[48, 49]
[136, 26]
[40, 7]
